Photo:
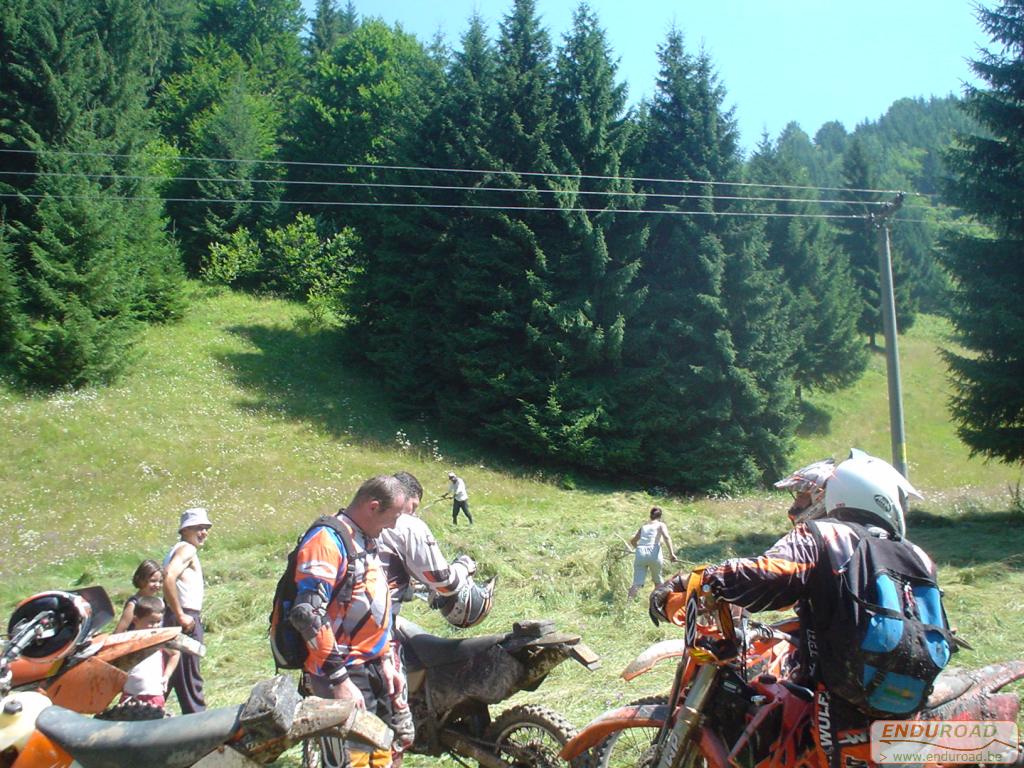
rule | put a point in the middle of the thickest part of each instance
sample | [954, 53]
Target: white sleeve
[425, 563]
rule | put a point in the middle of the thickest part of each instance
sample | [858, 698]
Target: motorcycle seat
[950, 684]
[425, 651]
[175, 742]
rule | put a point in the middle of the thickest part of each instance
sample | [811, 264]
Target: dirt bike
[453, 682]
[732, 703]
[70, 661]
[36, 733]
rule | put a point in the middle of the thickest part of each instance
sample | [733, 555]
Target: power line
[443, 187]
[430, 169]
[449, 206]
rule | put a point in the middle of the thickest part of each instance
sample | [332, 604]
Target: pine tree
[380, 116]
[498, 359]
[80, 280]
[329, 25]
[988, 399]
[229, 136]
[702, 412]
[828, 352]
[593, 260]
[13, 323]
[266, 34]
[366, 95]
[92, 258]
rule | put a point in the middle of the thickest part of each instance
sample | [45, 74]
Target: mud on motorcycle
[53, 648]
[731, 703]
[453, 682]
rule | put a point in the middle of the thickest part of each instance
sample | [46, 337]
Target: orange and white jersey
[356, 630]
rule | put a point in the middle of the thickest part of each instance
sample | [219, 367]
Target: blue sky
[780, 60]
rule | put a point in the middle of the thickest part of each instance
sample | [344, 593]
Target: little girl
[148, 579]
[147, 680]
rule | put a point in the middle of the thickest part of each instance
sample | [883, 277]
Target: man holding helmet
[409, 551]
[847, 519]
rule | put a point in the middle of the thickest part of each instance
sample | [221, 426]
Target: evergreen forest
[519, 251]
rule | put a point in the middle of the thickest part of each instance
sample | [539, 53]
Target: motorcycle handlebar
[767, 632]
[27, 633]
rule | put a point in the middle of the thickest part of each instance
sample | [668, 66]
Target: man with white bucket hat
[183, 595]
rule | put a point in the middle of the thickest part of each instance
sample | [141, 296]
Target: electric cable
[449, 206]
[374, 184]
[430, 169]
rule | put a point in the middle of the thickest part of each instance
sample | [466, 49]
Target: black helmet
[468, 606]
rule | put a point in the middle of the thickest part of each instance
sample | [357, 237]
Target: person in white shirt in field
[646, 543]
[183, 596]
[460, 499]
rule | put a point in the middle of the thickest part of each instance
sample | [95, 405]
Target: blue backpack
[880, 628]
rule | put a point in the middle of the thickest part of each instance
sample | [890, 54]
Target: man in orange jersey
[343, 611]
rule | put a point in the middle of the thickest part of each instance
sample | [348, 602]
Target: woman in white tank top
[647, 551]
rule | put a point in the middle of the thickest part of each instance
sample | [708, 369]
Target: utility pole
[880, 221]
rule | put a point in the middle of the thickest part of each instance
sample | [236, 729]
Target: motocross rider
[409, 552]
[785, 574]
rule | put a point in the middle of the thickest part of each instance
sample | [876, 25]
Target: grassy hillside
[246, 409]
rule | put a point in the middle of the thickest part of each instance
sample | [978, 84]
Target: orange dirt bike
[732, 705]
[36, 733]
[69, 660]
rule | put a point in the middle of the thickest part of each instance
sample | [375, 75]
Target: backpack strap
[822, 597]
[346, 582]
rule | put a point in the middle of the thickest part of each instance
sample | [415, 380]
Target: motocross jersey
[781, 577]
[409, 551]
[355, 631]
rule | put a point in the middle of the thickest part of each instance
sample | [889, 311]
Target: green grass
[245, 408]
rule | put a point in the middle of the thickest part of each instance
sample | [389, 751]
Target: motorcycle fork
[688, 716]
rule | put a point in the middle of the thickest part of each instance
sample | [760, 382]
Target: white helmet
[808, 480]
[468, 606]
[872, 486]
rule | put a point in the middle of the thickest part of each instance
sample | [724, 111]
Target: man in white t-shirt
[183, 595]
[460, 499]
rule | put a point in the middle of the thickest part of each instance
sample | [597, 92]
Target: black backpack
[879, 626]
[286, 644]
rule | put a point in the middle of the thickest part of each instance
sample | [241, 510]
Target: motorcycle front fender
[88, 687]
[666, 649]
[40, 752]
[598, 729]
[585, 656]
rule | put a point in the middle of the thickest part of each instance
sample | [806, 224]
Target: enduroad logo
[953, 741]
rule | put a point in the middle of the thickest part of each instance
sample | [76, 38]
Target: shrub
[299, 263]
[234, 262]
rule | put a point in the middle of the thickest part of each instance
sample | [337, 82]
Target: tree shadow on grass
[813, 420]
[309, 376]
[315, 377]
[994, 539]
[715, 551]
[971, 538]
